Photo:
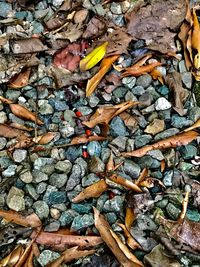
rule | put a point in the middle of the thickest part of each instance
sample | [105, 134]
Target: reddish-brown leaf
[12, 258]
[20, 80]
[10, 132]
[140, 70]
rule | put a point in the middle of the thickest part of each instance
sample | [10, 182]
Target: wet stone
[94, 148]
[144, 80]
[19, 155]
[129, 81]
[142, 140]
[96, 165]
[47, 256]
[15, 199]
[117, 127]
[81, 222]
[41, 209]
[58, 180]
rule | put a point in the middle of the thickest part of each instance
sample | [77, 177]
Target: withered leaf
[95, 28]
[137, 71]
[131, 242]
[104, 68]
[128, 120]
[104, 114]
[45, 138]
[20, 80]
[173, 141]
[129, 218]
[73, 33]
[174, 81]
[194, 126]
[69, 255]
[105, 231]
[94, 190]
[11, 132]
[12, 258]
[62, 241]
[28, 46]
[145, 23]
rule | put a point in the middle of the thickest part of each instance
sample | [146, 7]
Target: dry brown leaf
[104, 68]
[162, 165]
[69, 255]
[94, 190]
[27, 221]
[124, 182]
[10, 132]
[104, 114]
[142, 176]
[128, 120]
[137, 71]
[131, 242]
[45, 138]
[129, 218]
[29, 261]
[174, 81]
[95, 28]
[150, 182]
[173, 141]
[194, 126]
[27, 255]
[21, 127]
[62, 241]
[156, 75]
[28, 46]
[12, 258]
[20, 80]
[105, 231]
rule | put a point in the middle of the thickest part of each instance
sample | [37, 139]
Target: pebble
[138, 90]
[118, 20]
[45, 108]
[180, 122]
[5, 9]
[39, 176]
[93, 101]
[94, 148]
[156, 126]
[165, 134]
[116, 8]
[120, 92]
[194, 113]
[173, 211]
[63, 166]
[111, 217]
[120, 142]
[53, 226]
[90, 179]
[26, 176]
[82, 208]
[56, 197]
[3, 117]
[162, 104]
[41, 188]
[144, 222]
[3, 142]
[39, 162]
[114, 205]
[156, 154]
[30, 189]
[47, 256]
[69, 116]
[145, 100]
[41, 209]
[96, 165]
[163, 90]
[74, 178]
[67, 217]
[132, 169]
[58, 180]
[193, 215]
[117, 127]
[182, 66]
[142, 140]
[81, 222]
[167, 180]
[66, 129]
[55, 213]
[15, 199]
[10, 171]
[129, 81]
[144, 80]
[19, 155]
[148, 162]
[188, 151]
[187, 79]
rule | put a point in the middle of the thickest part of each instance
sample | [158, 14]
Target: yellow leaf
[93, 58]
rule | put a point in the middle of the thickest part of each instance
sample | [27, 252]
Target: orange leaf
[95, 80]
[194, 126]
[195, 32]
[12, 258]
[45, 138]
[10, 132]
[129, 218]
[156, 75]
[142, 176]
[141, 70]
[94, 190]
[131, 242]
[173, 141]
[20, 80]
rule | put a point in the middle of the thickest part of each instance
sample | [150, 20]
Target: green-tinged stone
[193, 215]
[41, 209]
[101, 201]
[173, 211]
[197, 92]
[114, 205]
[188, 151]
[56, 197]
[162, 203]
[67, 217]
[82, 221]
[185, 166]
[120, 91]
[163, 90]
[47, 256]
[82, 208]
[111, 217]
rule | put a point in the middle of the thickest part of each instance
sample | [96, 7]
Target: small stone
[69, 116]
[55, 213]
[66, 129]
[80, 222]
[48, 169]
[19, 155]
[15, 199]
[53, 226]
[188, 151]
[100, 10]
[194, 113]
[148, 162]
[162, 104]
[144, 80]
[58, 180]
[37, 27]
[93, 101]
[120, 142]
[182, 67]
[156, 154]
[111, 217]
[193, 215]
[45, 108]
[116, 8]
[41, 209]
[56, 197]
[57, 3]
[67, 217]
[5, 9]
[138, 90]
[132, 169]
[145, 100]
[167, 180]
[39, 162]
[165, 134]
[156, 126]
[10, 171]
[187, 79]
[96, 165]
[163, 90]
[180, 122]
[81, 208]
[3, 142]
[118, 20]
[173, 211]
[39, 176]
[47, 256]
[142, 140]
[90, 179]
[85, 110]
[3, 117]
[75, 177]
[31, 191]
[26, 177]
[63, 166]
[129, 81]
[120, 92]
[114, 205]
[144, 222]
[41, 188]
[130, 96]
[94, 148]
[117, 127]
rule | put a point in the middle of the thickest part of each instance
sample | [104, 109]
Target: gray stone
[99, 10]
[182, 67]
[163, 90]
[117, 127]
[162, 104]
[39, 176]
[194, 113]
[13, 94]
[166, 133]
[67, 217]
[120, 92]
[93, 101]
[130, 144]
[94, 148]
[63, 166]
[10, 171]
[26, 176]
[116, 8]
[31, 191]
[152, 91]
[82, 208]
[142, 140]
[48, 169]
[15, 199]
[41, 188]
[53, 226]
[144, 80]
[96, 165]
[144, 222]
[156, 154]
[58, 180]
[120, 142]
[130, 96]
[45, 108]
[3, 117]
[56, 197]
[132, 169]
[74, 178]
[3, 142]
[180, 122]
[114, 205]
[101, 201]
[148, 162]
[90, 179]
[193, 215]
[5, 9]
[47, 256]
[69, 116]
[145, 100]
[66, 129]
[138, 90]
[111, 217]
[83, 165]
[19, 155]
[81, 222]
[156, 126]
[167, 180]
[187, 79]
[41, 209]
[188, 151]
[118, 20]
[173, 211]
[85, 110]
[129, 81]
[39, 162]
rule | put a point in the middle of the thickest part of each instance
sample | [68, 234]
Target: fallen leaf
[21, 127]
[173, 141]
[95, 28]
[156, 75]
[107, 235]
[131, 242]
[12, 258]
[10, 132]
[124, 182]
[83, 139]
[93, 57]
[137, 71]
[28, 46]
[29, 260]
[26, 258]
[45, 138]
[174, 81]
[142, 176]
[104, 114]
[69, 255]
[145, 23]
[194, 126]
[128, 120]
[20, 80]
[62, 241]
[31, 220]
[104, 68]
[73, 33]
[129, 218]
[94, 190]
[196, 39]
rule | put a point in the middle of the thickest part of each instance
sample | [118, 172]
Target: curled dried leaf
[45, 138]
[141, 70]
[173, 141]
[10, 132]
[194, 126]
[94, 190]
[129, 218]
[12, 259]
[20, 80]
